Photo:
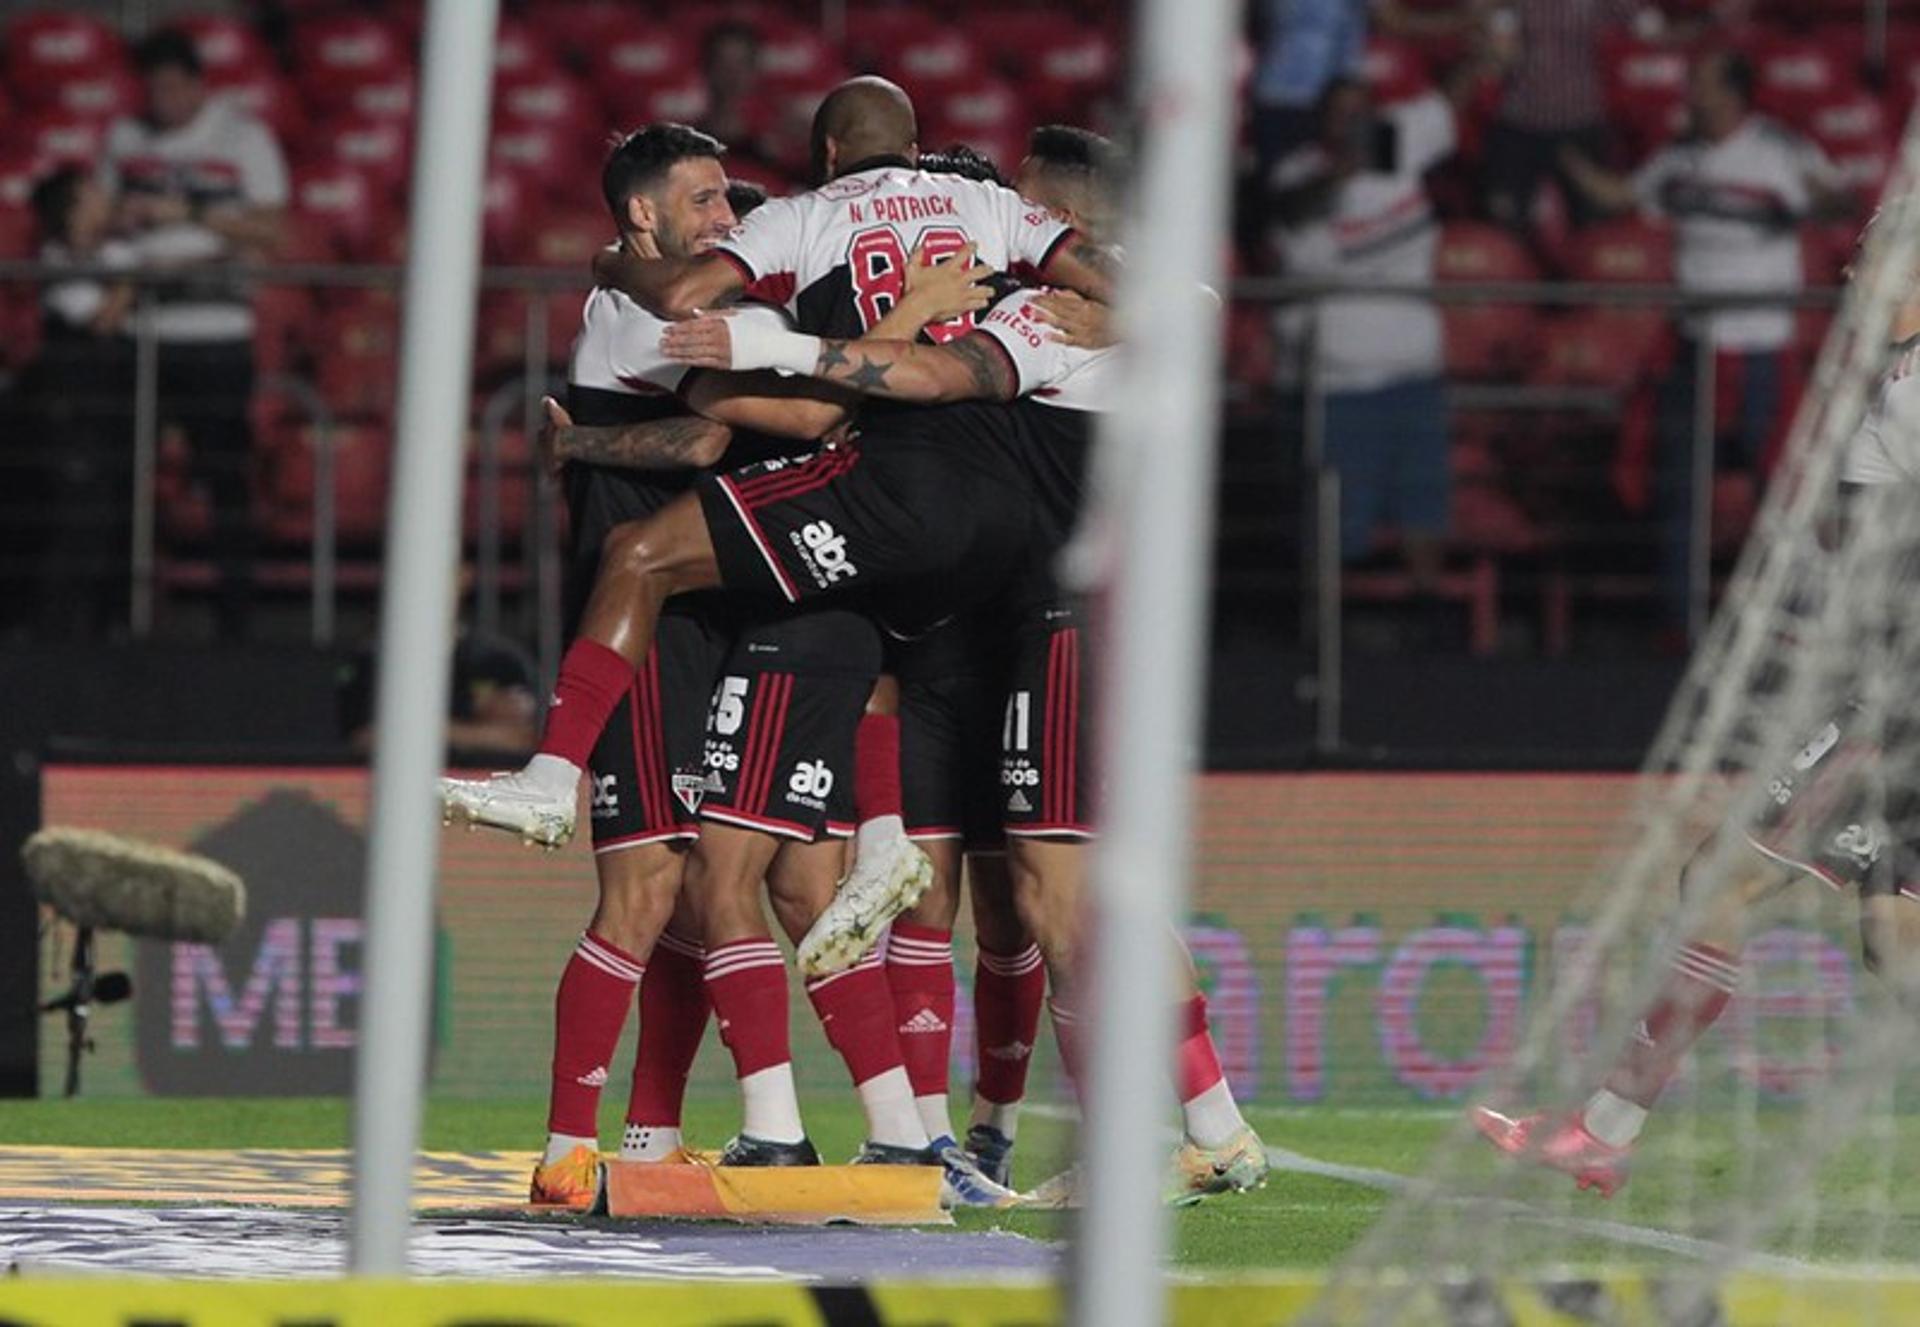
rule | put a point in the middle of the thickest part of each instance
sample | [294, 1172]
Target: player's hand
[1076, 320]
[705, 342]
[941, 288]
[551, 444]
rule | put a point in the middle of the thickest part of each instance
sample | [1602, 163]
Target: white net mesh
[1779, 1142]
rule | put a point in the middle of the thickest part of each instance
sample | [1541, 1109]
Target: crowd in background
[1724, 145]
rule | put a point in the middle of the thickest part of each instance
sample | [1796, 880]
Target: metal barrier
[1320, 611]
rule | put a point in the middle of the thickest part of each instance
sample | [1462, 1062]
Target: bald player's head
[861, 119]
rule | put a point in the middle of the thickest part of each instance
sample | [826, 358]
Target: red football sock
[1066, 1033]
[1198, 1062]
[673, 1019]
[588, 1013]
[1694, 994]
[856, 1010]
[920, 975]
[1008, 990]
[876, 767]
[592, 680]
[747, 983]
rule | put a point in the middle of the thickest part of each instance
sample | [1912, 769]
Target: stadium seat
[380, 149]
[344, 201]
[1598, 347]
[103, 94]
[932, 61]
[555, 98]
[1854, 130]
[1486, 340]
[361, 468]
[506, 207]
[55, 137]
[18, 234]
[46, 47]
[568, 238]
[1395, 70]
[521, 53]
[547, 156]
[1631, 251]
[1072, 73]
[271, 99]
[1794, 73]
[387, 96]
[683, 99]
[1646, 88]
[988, 114]
[582, 29]
[355, 353]
[644, 57]
[793, 55]
[336, 53]
[281, 315]
[516, 487]
[230, 48]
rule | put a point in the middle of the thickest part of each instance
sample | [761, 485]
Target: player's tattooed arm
[1084, 266]
[669, 287]
[968, 369]
[682, 442]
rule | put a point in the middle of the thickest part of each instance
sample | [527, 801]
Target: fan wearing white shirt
[199, 184]
[1736, 190]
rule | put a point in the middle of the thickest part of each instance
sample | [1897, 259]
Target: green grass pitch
[1687, 1175]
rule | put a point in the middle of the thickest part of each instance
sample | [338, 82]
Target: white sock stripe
[601, 956]
[1706, 969]
[1719, 981]
[1017, 965]
[914, 945]
[821, 983]
[1705, 959]
[1062, 1015]
[668, 940]
[727, 969]
[899, 960]
[742, 947]
[624, 972]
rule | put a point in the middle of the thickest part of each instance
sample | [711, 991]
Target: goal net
[1779, 1139]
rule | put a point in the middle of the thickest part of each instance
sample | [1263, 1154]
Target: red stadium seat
[1015, 39]
[336, 53]
[506, 205]
[931, 61]
[983, 107]
[341, 200]
[516, 487]
[1793, 74]
[645, 57]
[1646, 88]
[355, 354]
[1071, 73]
[230, 48]
[388, 96]
[792, 55]
[581, 29]
[281, 316]
[1485, 340]
[1598, 347]
[361, 471]
[46, 47]
[104, 94]
[1395, 70]
[18, 233]
[521, 53]
[683, 99]
[271, 99]
[380, 149]
[61, 138]
[1853, 128]
[569, 238]
[1634, 252]
[548, 156]
[555, 98]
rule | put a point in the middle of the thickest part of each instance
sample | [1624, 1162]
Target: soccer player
[668, 195]
[1045, 785]
[1845, 810]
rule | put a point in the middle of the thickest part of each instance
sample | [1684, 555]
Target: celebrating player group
[821, 455]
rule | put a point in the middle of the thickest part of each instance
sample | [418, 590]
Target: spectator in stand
[1353, 207]
[202, 186]
[1736, 188]
[1308, 45]
[492, 707]
[76, 393]
[1553, 97]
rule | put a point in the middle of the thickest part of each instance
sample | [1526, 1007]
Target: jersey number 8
[878, 261]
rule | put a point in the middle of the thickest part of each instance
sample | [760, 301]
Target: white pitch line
[1620, 1232]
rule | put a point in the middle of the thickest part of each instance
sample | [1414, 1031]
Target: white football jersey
[618, 349]
[1885, 449]
[1049, 371]
[835, 257]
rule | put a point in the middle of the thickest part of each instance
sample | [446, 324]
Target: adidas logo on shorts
[1017, 801]
[924, 1021]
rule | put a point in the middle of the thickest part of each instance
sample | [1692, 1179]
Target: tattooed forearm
[680, 443]
[862, 370]
[987, 365]
[1099, 259]
[870, 376]
[833, 355]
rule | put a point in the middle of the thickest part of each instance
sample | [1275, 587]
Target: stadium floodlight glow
[416, 628]
[1154, 518]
